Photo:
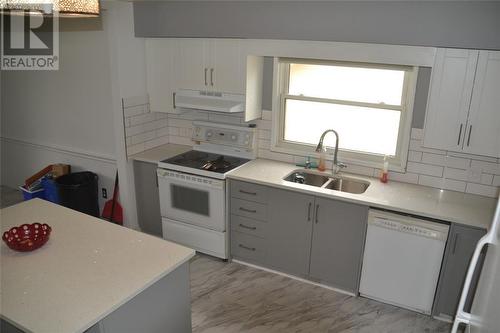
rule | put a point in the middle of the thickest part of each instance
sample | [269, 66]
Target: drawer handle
[460, 134]
[249, 193]
[246, 247]
[468, 139]
[248, 210]
[247, 227]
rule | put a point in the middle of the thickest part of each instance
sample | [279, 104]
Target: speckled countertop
[467, 209]
[87, 269]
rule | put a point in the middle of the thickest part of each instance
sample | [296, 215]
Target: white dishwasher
[402, 260]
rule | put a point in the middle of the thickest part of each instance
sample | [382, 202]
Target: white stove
[193, 189]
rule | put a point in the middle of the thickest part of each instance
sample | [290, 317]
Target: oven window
[189, 199]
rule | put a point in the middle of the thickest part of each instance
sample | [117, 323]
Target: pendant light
[63, 8]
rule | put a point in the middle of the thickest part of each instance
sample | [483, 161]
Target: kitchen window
[369, 105]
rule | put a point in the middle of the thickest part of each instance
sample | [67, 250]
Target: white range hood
[209, 101]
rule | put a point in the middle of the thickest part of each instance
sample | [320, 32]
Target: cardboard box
[60, 169]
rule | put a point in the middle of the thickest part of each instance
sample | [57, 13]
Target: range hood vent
[209, 101]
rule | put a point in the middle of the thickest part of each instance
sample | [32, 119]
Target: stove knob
[233, 137]
[209, 134]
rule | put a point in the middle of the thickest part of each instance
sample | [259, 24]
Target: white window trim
[398, 163]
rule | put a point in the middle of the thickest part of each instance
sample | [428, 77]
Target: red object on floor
[113, 210]
[27, 237]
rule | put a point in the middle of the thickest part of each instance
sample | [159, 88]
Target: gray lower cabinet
[147, 197]
[299, 234]
[461, 243]
[290, 217]
[337, 243]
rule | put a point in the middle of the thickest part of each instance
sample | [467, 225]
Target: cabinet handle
[156, 178]
[249, 193]
[246, 247]
[316, 213]
[173, 100]
[247, 227]
[211, 76]
[309, 212]
[206, 70]
[455, 241]
[248, 210]
[468, 139]
[460, 134]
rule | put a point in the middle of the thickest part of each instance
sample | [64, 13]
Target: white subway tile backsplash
[496, 181]
[445, 160]
[143, 137]
[417, 133]
[457, 174]
[133, 130]
[134, 110]
[142, 119]
[486, 167]
[486, 179]
[134, 101]
[264, 144]
[442, 183]
[425, 169]
[155, 142]
[164, 131]
[135, 149]
[485, 190]
[264, 134]
[401, 177]
[228, 119]
[180, 140]
[264, 153]
[474, 157]
[414, 156]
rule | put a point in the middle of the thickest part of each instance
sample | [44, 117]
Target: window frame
[280, 94]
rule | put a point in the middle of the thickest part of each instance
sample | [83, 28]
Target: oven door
[192, 199]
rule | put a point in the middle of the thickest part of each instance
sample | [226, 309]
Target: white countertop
[160, 153]
[87, 269]
[467, 209]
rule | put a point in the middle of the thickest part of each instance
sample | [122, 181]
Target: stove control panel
[228, 135]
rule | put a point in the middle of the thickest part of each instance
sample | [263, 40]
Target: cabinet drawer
[249, 226]
[249, 191]
[248, 247]
[249, 209]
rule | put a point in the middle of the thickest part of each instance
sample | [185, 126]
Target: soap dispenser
[322, 159]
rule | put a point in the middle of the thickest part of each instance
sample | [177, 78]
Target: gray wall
[421, 92]
[463, 24]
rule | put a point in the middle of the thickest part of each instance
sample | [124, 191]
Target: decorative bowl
[27, 237]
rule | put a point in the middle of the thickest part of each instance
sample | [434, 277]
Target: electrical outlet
[104, 193]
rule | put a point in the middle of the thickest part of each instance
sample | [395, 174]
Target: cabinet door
[147, 197]
[290, 227]
[160, 73]
[461, 243]
[337, 244]
[483, 128]
[192, 60]
[449, 99]
[226, 67]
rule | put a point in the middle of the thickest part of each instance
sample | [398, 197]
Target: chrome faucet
[336, 166]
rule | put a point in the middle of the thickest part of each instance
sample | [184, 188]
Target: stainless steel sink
[307, 178]
[343, 184]
[348, 185]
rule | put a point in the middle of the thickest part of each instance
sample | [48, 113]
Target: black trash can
[79, 191]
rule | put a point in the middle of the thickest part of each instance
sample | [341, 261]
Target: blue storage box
[28, 195]
[51, 191]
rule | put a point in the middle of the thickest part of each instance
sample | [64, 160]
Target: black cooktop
[206, 161]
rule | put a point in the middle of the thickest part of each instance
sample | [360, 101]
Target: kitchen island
[92, 276]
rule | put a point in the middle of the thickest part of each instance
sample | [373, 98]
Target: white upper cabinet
[192, 64]
[483, 128]
[449, 98]
[160, 74]
[210, 65]
[462, 110]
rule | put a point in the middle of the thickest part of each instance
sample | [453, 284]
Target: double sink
[336, 183]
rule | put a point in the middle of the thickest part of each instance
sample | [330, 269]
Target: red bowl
[27, 237]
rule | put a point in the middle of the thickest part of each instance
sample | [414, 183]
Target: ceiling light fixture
[62, 8]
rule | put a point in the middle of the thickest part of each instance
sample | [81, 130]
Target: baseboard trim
[63, 150]
[295, 278]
